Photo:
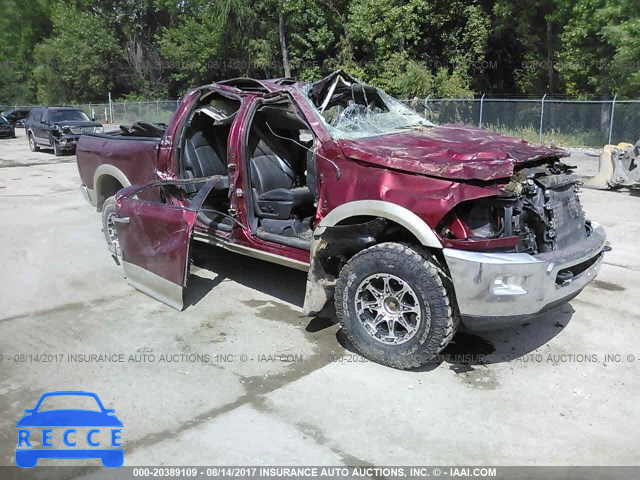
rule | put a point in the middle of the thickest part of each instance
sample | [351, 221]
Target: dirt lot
[279, 388]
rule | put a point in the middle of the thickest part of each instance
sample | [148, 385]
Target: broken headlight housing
[538, 211]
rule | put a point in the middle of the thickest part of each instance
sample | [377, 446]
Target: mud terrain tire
[378, 276]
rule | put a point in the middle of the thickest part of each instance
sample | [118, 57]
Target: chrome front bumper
[494, 290]
[68, 140]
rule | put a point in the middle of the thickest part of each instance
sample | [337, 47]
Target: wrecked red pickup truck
[411, 227]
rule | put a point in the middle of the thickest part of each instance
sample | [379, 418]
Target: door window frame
[253, 219]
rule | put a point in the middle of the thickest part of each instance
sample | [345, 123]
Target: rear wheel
[109, 226]
[394, 306]
[32, 143]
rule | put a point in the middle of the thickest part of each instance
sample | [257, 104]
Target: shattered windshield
[354, 110]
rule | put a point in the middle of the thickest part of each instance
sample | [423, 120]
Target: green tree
[601, 49]
[318, 41]
[415, 48]
[622, 32]
[135, 25]
[78, 62]
[412, 48]
[22, 25]
[533, 28]
[192, 46]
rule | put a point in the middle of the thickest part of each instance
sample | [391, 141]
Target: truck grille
[552, 216]
[566, 217]
[81, 130]
[538, 210]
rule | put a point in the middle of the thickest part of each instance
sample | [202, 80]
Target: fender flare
[388, 210]
[111, 171]
[320, 284]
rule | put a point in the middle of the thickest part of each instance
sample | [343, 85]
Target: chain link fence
[158, 111]
[569, 123]
[119, 113]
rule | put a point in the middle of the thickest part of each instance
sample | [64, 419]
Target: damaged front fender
[340, 235]
[330, 246]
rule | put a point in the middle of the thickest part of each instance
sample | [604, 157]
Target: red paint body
[454, 152]
[427, 171]
[138, 159]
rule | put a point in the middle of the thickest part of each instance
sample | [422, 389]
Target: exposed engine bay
[539, 210]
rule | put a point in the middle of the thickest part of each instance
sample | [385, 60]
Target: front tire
[109, 226]
[32, 143]
[393, 304]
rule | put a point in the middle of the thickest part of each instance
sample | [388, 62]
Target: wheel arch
[362, 216]
[107, 180]
[380, 209]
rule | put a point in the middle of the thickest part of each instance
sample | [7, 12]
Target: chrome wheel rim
[388, 309]
[112, 233]
[32, 143]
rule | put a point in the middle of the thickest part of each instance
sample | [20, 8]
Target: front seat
[201, 160]
[272, 183]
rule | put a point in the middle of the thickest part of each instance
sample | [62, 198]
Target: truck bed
[135, 156]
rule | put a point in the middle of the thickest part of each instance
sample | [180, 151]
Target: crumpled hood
[451, 151]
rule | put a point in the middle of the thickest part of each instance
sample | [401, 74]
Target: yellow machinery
[619, 167]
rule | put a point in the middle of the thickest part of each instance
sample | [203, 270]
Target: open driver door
[155, 233]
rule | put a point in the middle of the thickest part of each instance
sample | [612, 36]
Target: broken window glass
[354, 110]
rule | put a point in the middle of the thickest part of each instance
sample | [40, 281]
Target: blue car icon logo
[42, 433]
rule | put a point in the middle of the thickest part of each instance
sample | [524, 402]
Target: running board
[251, 252]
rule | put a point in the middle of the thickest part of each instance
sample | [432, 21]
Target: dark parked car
[16, 116]
[6, 129]
[58, 128]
